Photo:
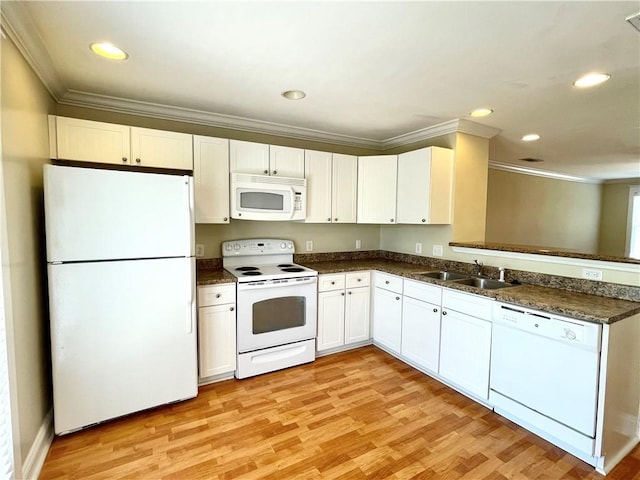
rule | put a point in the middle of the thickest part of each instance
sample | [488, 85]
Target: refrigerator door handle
[189, 200]
[191, 303]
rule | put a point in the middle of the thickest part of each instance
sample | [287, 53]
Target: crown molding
[541, 173]
[459, 125]
[17, 24]
[201, 117]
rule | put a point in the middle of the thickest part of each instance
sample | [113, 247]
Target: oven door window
[262, 201]
[278, 314]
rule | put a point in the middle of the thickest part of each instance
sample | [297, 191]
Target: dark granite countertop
[582, 306]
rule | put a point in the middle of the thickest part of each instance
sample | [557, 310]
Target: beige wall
[613, 217]
[25, 104]
[325, 237]
[525, 209]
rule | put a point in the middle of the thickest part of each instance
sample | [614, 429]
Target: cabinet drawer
[423, 291]
[470, 304]
[216, 294]
[334, 281]
[388, 282]
[358, 279]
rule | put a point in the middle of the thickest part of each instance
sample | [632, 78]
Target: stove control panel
[257, 246]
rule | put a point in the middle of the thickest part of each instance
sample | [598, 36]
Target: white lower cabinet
[387, 311]
[343, 310]
[421, 324]
[216, 331]
[465, 342]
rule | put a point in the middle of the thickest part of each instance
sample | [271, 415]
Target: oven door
[276, 312]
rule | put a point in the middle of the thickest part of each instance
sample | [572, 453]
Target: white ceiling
[377, 74]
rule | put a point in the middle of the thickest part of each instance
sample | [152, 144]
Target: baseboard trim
[34, 461]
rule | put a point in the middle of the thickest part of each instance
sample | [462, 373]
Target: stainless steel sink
[484, 283]
[443, 275]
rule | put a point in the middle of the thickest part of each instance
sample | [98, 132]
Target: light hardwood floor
[355, 415]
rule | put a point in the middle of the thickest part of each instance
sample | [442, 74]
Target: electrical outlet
[418, 247]
[358, 244]
[437, 250]
[309, 245]
[591, 274]
[199, 250]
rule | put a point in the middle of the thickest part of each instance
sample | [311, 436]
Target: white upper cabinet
[211, 179]
[248, 157]
[377, 189]
[318, 168]
[263, 159]
[286, 161]
[331, 187]
[89, 141]
[344, 188]
[425, 179]
[161, 149]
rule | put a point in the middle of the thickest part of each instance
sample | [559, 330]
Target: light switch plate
[358, 244]
[418, 247]
[309, 245]
[199, 250]
[437, 250]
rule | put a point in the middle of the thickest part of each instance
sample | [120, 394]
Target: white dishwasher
[544, 375]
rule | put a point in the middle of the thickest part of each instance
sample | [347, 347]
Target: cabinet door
[387, 319]
[465, 348]
[161, 149]
[344, 188]
[425, 179]
[421, 333]
[217, 339]
[357, 321]
[248, 157]
[211, 179]
[377, 189]
[89, 141]
[286, 161]
[330, 320]
[317, 167]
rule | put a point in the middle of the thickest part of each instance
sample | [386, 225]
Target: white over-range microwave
[263, 197]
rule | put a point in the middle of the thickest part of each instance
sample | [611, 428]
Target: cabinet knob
[335, 219]
[124, 159]
[225, 219]
[435, 310]
[217, 295]
[342, 294]
[349, 293]
[359, 279]
[387, 282]
[333, 283]
[444, 312]
[391, 220]
[397, 298]
[137, 160]
[231, 309]
[275, 172]
[266, 171]
[424, 220]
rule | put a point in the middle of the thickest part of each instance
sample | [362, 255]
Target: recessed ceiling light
[531, 137]
[591, 80]
[294, 94]
[481, 112]
[108, 50]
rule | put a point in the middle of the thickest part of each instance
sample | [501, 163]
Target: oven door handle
[269, 284]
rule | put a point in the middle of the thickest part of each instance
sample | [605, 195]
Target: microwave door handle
[293, 202]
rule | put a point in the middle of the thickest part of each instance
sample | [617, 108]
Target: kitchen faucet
[478, 267]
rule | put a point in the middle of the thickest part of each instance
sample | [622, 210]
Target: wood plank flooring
[355, 415]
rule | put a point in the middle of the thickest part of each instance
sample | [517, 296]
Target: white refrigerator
[121, 275]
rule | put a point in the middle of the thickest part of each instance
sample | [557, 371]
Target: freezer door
[123, 338]
[94, 214]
